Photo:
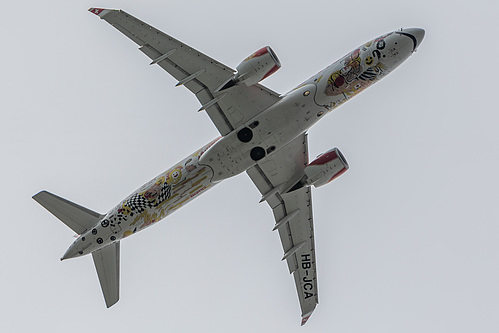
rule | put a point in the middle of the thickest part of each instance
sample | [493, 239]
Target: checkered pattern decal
[138, 203]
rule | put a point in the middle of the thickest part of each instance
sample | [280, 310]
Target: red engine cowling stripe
[325, 158]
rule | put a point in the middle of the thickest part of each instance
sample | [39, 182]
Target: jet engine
[254, 68]
[325, 168]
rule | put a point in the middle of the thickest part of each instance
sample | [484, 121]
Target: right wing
[292, 208]
[199, 73]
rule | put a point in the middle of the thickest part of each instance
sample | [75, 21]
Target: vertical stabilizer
[107, 264]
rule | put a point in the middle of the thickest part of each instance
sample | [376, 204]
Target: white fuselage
[270, 130]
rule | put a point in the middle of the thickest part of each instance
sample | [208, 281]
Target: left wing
[274, 177]
[202, 75]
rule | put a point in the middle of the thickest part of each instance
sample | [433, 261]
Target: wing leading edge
[199, 73]
[273, 176]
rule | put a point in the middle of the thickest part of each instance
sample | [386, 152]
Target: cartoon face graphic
[340, 82]
[174, 176]
[359, 70]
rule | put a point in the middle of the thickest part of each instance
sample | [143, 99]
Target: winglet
[99, 11]
[305, 318]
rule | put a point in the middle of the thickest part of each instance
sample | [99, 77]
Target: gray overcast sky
[407, 240]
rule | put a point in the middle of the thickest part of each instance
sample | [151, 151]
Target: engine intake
[325, 168]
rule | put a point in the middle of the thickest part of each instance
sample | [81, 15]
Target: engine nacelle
[325, 168]
[257, 66]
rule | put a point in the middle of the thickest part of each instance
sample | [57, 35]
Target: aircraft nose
[416, 34]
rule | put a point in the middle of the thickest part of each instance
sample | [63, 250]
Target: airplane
[262, 133]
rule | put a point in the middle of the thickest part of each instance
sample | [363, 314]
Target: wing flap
[168, 65]
[107, 264]
[217, 115]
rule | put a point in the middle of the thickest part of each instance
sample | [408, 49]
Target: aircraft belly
[150, 203]
[269, 131]
[164, 194]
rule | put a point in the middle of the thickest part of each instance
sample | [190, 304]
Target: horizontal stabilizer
[107, 264]
[76, 217]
